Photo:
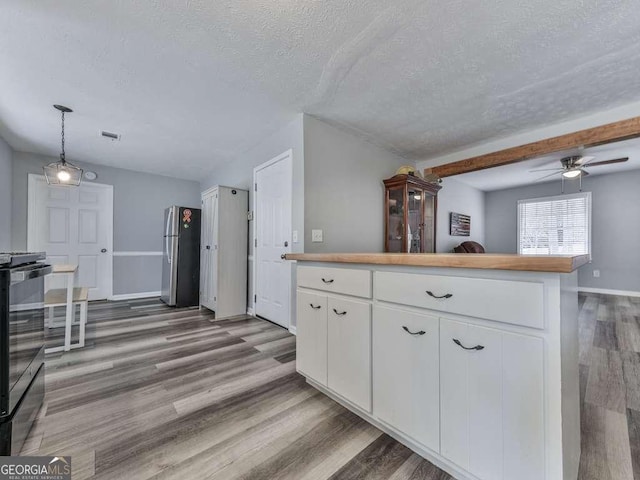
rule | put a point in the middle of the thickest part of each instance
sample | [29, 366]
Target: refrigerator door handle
[166, 235]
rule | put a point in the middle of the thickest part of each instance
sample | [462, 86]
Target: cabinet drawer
[516, 302]
[338, 280]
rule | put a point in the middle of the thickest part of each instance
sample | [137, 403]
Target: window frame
[586, 195]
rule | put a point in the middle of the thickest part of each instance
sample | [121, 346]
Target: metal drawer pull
[315, 307]
[339, 313]
[327, 281]
[421, 332]
[477, 347]
[447, 295]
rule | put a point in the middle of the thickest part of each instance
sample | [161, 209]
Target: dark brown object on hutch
[410, 214]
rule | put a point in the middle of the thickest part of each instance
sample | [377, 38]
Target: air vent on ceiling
[109, 135]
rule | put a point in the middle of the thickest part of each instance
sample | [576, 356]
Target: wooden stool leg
[83, 322]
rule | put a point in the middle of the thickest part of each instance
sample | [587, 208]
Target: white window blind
[555, 225]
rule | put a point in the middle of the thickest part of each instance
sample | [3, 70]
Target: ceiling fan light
[576, 172]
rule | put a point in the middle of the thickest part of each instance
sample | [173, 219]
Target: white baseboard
[137, 254]
[605, 291]
[134, 296]
[250, 311]
[293, 329]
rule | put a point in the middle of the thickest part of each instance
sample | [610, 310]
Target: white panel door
[74, 225]
[349, 350]
[209, 246]
[406, 359]
[273, 196]
[311, 336]
[492, 408]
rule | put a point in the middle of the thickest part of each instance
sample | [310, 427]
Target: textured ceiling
[194, 83]
[518, 174]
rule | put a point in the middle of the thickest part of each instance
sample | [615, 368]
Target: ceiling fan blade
[608, 162]
[547, 170]
[547, 176]
[584, 161]
[583, 173]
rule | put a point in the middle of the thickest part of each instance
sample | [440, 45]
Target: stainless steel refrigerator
[181, 257]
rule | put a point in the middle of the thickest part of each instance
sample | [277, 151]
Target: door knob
[104, 250]
[283, 256]
[286, 244]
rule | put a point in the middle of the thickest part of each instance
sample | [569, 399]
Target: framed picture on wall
[459, 225]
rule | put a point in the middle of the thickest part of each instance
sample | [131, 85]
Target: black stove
[15, 259]
[21, 345]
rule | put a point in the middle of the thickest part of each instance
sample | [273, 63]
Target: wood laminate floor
[172, 394]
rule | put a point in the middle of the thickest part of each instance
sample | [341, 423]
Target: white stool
[57, 297]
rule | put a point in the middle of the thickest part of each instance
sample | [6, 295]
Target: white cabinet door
[208, 258]
[349, 350]
[311, 336]
[492, 408]
[406, 390]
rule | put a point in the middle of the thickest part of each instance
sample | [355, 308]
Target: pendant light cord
[62, 155]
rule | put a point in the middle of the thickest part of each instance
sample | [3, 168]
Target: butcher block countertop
[487, 261]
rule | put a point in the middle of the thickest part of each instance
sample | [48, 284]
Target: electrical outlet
[316, 236]
[596, 273]
[295, 236]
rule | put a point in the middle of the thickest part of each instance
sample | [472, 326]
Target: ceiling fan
[575, 166]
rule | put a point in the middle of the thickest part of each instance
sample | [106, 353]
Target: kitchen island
[471, 360]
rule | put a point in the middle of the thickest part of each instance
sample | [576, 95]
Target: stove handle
[29, 273]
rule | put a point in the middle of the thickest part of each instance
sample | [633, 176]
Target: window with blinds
[555, 225]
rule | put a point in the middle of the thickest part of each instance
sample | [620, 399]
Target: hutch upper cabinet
[410, 214]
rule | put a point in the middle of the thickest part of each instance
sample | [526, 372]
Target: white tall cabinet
[223, 260]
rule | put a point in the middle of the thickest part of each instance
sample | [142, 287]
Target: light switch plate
[295, 236]
[316, 236]
[596, 273]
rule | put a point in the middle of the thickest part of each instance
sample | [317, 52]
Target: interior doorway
[272, 201]
[74, 225]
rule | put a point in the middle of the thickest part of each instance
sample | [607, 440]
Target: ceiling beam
[611, 132]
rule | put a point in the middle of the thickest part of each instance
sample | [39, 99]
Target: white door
[273, 197]
[74, 225]
[209, 244]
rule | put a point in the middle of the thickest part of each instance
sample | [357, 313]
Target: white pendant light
[62, 172]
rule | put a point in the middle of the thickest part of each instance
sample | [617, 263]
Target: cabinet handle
[421, 332]
[339, 313]
[477, 347]
[315, 307]
[327, 281]
[446, 295]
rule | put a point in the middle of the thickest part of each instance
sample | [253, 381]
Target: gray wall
[615, 226]
[459, 197]
[239, 173]
[6, 155]
[138, 206]
[344, 193]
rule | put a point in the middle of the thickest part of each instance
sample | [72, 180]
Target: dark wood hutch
[410, 214]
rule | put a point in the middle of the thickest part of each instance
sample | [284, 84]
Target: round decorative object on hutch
[410, 214]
